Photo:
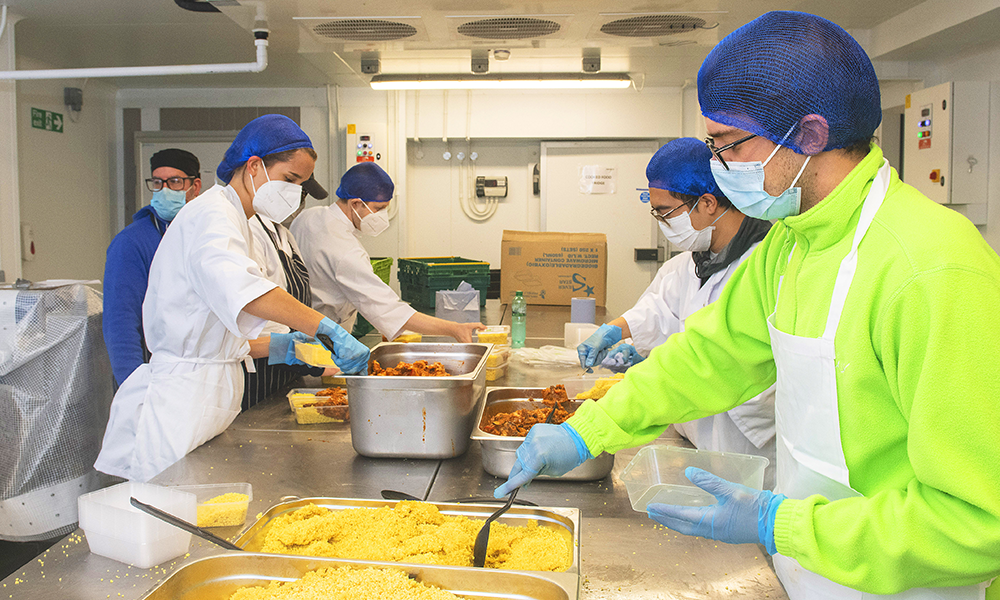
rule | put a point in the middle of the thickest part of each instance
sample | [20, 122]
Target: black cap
[314, 189]
[177, 159]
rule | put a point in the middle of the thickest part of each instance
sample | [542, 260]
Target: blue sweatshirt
[126, 274]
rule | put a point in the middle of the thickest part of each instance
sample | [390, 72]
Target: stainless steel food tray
[418, 417]
[560, 519]
[217, 577]
[499, 451]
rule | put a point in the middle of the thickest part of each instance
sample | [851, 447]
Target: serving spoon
[483, 537]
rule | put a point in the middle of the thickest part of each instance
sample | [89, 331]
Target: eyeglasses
[718, 151]
[663, 217]
[155, 184]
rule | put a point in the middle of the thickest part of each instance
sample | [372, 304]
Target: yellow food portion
[492, 338]
[308, 416]
[346, 583]
[492, 374]
[408, 337]
[212, 514]
[415, 532]
[314, 354]
[601, 387]
[497, 358]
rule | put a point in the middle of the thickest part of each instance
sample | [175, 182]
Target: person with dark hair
[207, 303]
[343, 282]
[175, 180]
[870, 306]
[696, 217]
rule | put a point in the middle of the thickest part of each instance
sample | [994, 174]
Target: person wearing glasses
[695, 216]
[873, 309]
[174, 182]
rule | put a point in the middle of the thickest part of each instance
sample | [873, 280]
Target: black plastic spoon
[483, 537]
[182, 524]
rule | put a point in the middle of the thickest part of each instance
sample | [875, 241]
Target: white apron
[201, 278]
[809, 451]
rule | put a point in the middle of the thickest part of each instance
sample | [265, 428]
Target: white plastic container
[219, 514]
[494, 334]
[575, 334]
[119, 531]
[587, 383]
[656, 474]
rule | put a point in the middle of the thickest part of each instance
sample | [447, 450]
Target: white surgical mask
[276, 200]
[682, 233]
[166, 202]
[373, 223]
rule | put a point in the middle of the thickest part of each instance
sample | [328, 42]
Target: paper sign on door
[595, 179]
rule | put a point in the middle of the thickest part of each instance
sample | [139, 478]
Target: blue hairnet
[682, 167]
[366, 181]
[267, 134]
[765, 76]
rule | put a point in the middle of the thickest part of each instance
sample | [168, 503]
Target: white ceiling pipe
[84, 73]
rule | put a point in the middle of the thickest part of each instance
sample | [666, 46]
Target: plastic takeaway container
[220, 514]
[656, 475]
[119, 531]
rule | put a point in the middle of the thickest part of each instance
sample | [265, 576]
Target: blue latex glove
[348, 353]
[742, 515]
[281, 348]
[547, 450]
[593, 350]
[621, 357]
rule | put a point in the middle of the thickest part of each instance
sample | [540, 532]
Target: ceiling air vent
[365, 30]
[508, 28]
[652, 25]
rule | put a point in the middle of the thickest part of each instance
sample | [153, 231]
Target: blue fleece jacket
[126, 274]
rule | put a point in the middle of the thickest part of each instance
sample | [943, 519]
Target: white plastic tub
[119, 531]
[656, 475]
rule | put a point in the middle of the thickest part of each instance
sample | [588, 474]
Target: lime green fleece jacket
[918, 384]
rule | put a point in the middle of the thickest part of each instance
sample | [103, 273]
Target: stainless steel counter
[624, 553]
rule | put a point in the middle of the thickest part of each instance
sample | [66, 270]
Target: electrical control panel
[491, 187]
[366, 143]
[946, 142]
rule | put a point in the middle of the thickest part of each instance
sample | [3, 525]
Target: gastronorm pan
[499, 451]
[217, 577]
[560, 519]
[418, 417]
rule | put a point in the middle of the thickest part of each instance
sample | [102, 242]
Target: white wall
[65, 178]
[505, 129]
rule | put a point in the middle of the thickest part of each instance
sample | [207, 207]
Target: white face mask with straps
[681, 233]
[373, 223]
[276, 200]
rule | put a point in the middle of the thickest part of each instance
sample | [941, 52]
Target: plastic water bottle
[518, 313]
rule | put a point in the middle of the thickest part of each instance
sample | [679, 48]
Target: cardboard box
[554, 267]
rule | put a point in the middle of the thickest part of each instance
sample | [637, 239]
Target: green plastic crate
[421, 270]
[383, 268]
[424, 295]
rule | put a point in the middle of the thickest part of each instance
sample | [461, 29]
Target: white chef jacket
[340, 273]
[674, 295]
[201, 277]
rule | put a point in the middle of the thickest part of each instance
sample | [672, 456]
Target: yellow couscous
[601, 387]
[415, 532]
[346, 583]
[223, 511]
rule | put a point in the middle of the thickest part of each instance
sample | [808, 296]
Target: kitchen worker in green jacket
[872, 307]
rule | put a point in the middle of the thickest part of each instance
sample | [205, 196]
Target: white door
[592, 187]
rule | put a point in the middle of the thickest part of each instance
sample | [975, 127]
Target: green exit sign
[47, 120]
